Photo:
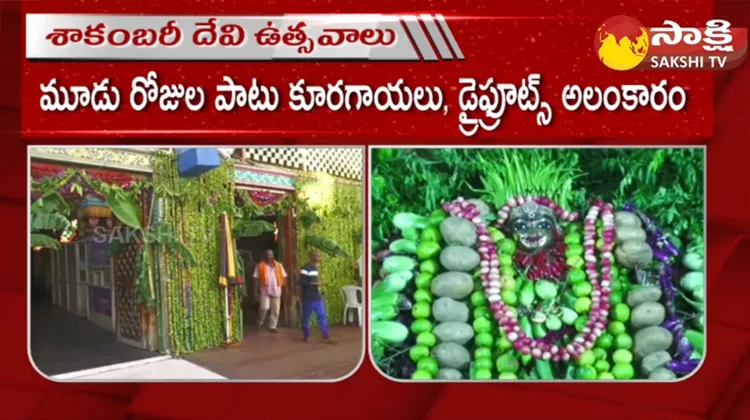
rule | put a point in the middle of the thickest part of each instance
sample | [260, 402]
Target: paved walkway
[155, 369]
[284, 356]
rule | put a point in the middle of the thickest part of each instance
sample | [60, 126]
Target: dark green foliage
[667, 184]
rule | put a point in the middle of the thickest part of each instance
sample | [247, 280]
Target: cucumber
[397, 263]
[384, 313]
[403, 246]
[390, 332]
[544, 369]
[388, 299]
[404, 221]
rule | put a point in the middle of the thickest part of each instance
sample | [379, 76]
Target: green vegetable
[387, 300]
[421, 325]
[427, 250]
[383, 313]
[431, 266]
[403, 246]
[696, 339]
[623, 371]
[568, 315]
[397, 263]
[421, 375]
[423, 281]
[507, 363]
[404, 221]
[539, 331]
[544, 369]
[428, 365]
[422, 295]
[394, 283]
[570, 372]
[526, 295]
[418, 352]
[698, 294]
[421, 310]
[527, 328]
[692, 281]
[574, 250]
[553, 323]
[545, 290]
[431, 234]
[693, 261]
[390, 332]
[411, 234]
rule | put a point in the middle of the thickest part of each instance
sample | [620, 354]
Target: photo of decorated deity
[196, 264]
[537, 264]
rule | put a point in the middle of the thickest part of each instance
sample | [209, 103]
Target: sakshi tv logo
[622, 43]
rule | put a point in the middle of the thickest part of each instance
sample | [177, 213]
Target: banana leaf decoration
[251, 228]
[48, 213]
[308, 218]
[325, 245]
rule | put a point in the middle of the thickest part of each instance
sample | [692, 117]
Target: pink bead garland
[490, 275]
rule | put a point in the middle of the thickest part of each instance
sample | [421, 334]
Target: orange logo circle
[621, 43]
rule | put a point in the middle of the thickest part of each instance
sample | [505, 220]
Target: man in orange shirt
[271, 277]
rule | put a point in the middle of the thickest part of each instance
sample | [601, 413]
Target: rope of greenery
[340, 223]
[195, 299]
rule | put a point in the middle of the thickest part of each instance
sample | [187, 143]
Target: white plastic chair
[352, 298]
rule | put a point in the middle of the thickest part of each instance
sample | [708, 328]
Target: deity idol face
[534, 226]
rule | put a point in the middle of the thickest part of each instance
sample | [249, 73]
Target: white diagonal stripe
[419, 37]
[449, 36]
[437, 38]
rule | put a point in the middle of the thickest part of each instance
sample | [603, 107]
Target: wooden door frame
[290, 298]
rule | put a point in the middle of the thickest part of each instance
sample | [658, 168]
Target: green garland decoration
[195, 299]
[341, 223]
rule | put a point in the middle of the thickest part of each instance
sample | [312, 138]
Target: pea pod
[544, 369]
[403, 246]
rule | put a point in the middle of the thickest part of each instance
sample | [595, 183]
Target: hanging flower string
[664, 250]
[492, 281]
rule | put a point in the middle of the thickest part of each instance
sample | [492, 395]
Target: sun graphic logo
[621, 43]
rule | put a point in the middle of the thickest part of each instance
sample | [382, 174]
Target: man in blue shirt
[312, 301]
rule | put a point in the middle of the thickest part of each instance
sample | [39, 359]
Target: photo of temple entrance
[145, 262]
